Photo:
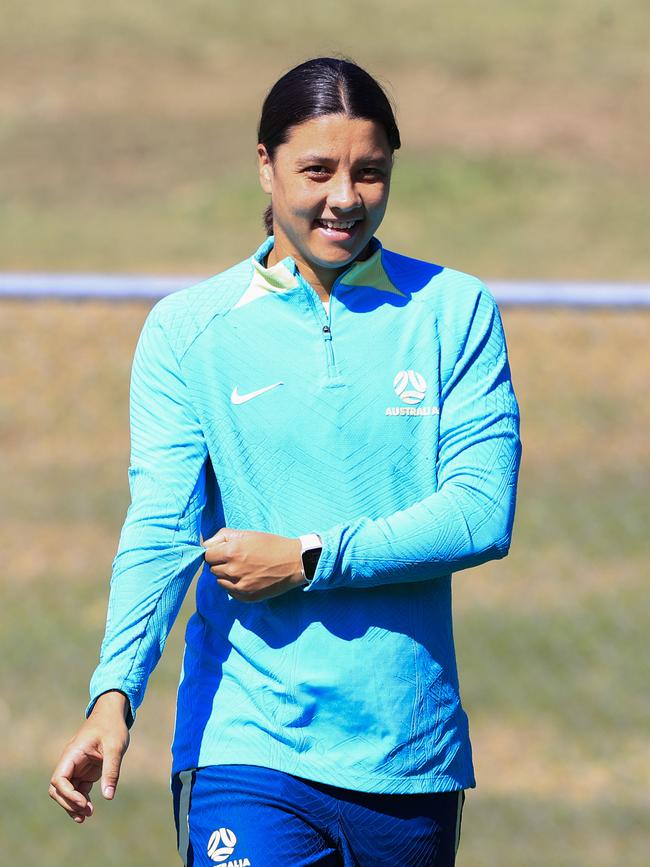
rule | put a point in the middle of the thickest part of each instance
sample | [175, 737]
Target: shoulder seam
[199, 328]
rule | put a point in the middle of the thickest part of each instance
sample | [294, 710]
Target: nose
[343, 194]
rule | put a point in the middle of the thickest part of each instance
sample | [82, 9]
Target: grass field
[127, 134]
[551, 641]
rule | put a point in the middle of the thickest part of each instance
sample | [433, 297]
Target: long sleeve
[468, 519]
[159, 549]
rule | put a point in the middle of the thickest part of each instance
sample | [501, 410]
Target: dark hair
[323, 85]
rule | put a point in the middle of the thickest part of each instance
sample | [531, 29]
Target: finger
[225, 573]
[216, 554]
[65, 789]
[80, 815]
[72, 807]
[84, 787]
[221, 536]
[77, 815]
[111, 769]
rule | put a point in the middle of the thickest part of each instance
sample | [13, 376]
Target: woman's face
[329, 185]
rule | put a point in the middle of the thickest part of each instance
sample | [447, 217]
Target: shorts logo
[411, 388]
[221, 844]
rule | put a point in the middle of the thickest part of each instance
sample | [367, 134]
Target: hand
[95, 752]
[252, 566]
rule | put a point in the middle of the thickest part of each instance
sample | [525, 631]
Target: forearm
[453, 529]
[159, 550]
[151, 575]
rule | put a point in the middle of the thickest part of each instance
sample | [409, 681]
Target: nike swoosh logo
[236, 397]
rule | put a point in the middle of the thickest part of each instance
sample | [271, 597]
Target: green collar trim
[283, 276]
[370, 272]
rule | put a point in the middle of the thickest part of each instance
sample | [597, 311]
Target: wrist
[112, 702]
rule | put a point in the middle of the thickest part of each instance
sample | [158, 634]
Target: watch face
[310, 561]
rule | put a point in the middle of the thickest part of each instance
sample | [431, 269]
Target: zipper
[329, 349]
[324, 320]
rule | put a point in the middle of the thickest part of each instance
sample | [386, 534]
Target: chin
[337, 257]
[335, 263]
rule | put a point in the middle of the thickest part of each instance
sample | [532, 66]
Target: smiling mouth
[338, 225]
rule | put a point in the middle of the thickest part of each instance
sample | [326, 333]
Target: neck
[321, 279]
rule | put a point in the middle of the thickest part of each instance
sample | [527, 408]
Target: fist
[252, 566]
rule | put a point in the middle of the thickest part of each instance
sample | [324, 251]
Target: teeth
[338, 224]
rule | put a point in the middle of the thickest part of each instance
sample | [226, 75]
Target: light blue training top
[388, 426]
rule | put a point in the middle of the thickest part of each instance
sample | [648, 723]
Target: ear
[265, 168]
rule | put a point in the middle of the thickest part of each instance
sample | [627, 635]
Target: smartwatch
[311, 546]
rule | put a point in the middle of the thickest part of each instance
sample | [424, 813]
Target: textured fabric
[389, 427]
[241, 815]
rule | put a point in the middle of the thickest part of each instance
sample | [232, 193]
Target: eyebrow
[307, 159]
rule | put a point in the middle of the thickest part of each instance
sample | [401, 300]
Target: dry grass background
[128, 130]
[127, 136]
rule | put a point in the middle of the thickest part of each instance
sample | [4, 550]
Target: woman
[331, 428]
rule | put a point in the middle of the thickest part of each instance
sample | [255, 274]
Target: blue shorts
[248, 816]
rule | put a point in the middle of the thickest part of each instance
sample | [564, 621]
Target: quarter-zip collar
[277, 278]
[283, 276]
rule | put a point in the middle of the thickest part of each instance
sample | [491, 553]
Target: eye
[371, 173]
[317, 171]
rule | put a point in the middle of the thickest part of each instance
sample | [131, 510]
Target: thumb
[111, 771]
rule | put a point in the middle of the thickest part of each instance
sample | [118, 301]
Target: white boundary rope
[122, 287]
